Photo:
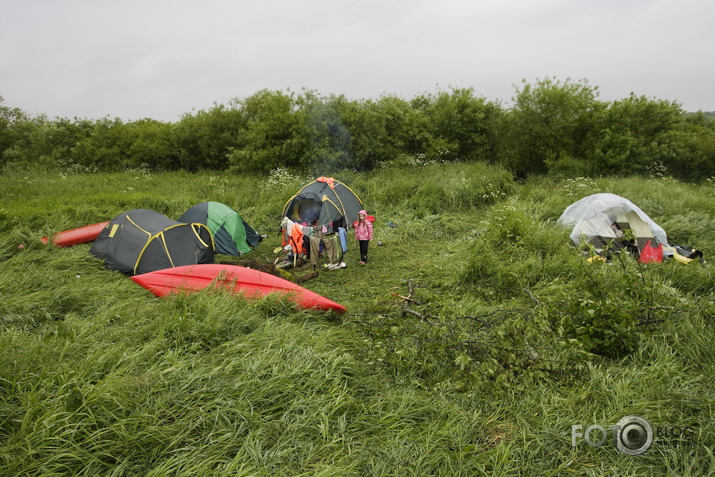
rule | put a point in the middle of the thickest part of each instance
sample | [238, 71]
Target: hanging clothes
[330, 249]
[343, 235]
[286, 230]
[296, 238]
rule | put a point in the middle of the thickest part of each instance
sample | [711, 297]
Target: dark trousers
[363, 249]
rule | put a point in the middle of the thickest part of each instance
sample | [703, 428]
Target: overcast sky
[159, 59]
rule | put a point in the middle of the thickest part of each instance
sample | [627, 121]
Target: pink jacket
[363, 230]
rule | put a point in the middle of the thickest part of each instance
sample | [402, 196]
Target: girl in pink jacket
[363, 233]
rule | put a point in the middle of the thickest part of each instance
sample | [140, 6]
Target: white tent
[592, 217]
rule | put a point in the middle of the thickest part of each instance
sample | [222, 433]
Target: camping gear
[235, 279]
[598, 219]
[85, 234]
[323, 202]
[232, 235]
[651, 254]
[684, 255]
[142, 241]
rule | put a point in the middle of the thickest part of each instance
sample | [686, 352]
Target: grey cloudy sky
[159, 59]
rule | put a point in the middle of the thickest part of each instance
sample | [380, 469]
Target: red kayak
[246, 281]
[77, 236]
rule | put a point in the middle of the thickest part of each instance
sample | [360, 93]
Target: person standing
[363, 234]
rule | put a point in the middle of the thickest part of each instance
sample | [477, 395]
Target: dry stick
[413, 313]
[411, 287]
[411, 290]
[406, 298]
[422, 317]
[531, 296]
[405, 308]
[484, 323]
[649, 322]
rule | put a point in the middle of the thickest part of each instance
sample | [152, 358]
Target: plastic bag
[651, 254]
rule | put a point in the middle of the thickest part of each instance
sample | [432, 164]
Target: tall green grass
[98, 377]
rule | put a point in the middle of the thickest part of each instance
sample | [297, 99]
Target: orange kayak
[76, 236]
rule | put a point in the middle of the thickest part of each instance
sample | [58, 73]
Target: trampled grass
[485, 375]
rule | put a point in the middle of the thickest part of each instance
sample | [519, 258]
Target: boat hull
[76, 236]
[235, 279]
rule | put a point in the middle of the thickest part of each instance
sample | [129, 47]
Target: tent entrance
[642, 231]
[305, 210]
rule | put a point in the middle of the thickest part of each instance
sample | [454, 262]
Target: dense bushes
[548, 123]
[518, 251]
[557, 127]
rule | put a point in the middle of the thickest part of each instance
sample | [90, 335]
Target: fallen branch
[485, 323]
[305, 278]
[406, 310]
[528, 292]
[423, 318]
[648, 321]
[406, 298]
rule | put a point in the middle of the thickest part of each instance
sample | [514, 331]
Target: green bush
[603, 305]
[514, 250]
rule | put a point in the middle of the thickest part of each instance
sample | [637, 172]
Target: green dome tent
[142, 241]
[232, 235]
[323, 201]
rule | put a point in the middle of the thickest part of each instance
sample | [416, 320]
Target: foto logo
[633, 435]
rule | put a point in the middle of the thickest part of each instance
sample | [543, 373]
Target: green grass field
[513, 338]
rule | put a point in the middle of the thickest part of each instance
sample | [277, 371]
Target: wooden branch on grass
[528, 292]
[406, 298]
[423, 318]
[648, 321]
[307, 277]
[484, 323]
[406, 310]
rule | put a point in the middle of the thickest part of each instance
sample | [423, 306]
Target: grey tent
[597, 218]
[141, 241]
[232, 235]
[323, 201]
